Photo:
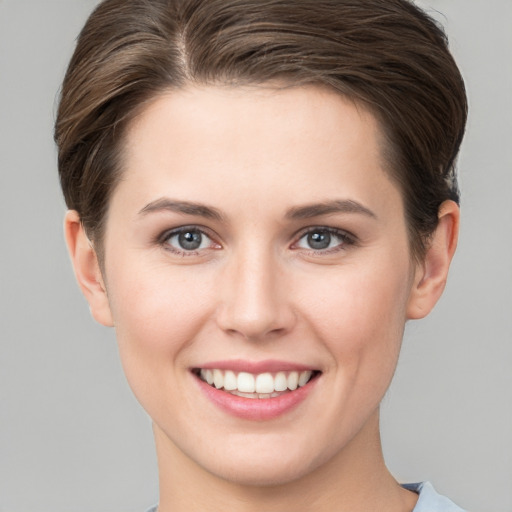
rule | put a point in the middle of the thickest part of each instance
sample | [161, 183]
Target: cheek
[360, 315]
[153, 303]
[157, 313]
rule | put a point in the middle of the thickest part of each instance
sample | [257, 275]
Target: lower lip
[256, 409]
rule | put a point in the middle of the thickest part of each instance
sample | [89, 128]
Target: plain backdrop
[72, 437]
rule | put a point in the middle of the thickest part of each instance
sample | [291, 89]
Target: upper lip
[255, 367]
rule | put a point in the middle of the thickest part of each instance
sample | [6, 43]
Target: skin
[255, 290]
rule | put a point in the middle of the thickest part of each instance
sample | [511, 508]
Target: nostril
[253, 302]
[257, 325]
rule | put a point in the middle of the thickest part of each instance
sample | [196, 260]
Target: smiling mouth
[258, 386]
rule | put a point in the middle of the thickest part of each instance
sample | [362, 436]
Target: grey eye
[319, 240]
[190, 240]
[187, 240]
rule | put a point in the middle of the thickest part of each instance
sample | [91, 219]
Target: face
[254, 241]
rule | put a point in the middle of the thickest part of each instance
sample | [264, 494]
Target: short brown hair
[387, 55]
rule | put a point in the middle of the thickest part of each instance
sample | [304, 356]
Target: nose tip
[250, 327]
[254, 302]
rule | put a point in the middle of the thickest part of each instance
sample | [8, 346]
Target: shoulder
[429, 500]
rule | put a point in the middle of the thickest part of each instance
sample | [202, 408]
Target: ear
[87, 269]
[431, 273]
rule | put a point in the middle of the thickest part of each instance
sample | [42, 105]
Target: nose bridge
[253, 303]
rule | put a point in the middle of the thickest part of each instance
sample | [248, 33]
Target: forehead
[257, 110]
[307, 141]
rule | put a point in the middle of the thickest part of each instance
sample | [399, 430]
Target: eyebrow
[328, 207]
[186, 207]
[296, 213]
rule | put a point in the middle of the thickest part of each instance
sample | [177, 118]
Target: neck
[354, 480]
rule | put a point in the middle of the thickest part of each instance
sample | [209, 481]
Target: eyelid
[163, 238]
[349, 239]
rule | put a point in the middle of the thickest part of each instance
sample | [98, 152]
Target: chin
[267, 464]
[261, 474]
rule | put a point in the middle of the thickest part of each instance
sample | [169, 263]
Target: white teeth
[254, 395]
[304, 377]
[293, 380]
[230, 381]
[218, 379]
[244, 395]
[245, 382]
[263, 385]
[281, 382]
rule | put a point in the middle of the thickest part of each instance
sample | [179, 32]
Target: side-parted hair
[386, 55]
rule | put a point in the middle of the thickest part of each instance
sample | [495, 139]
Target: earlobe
[87, 269]
[432, 273]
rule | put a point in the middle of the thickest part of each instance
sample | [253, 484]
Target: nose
[255, 301]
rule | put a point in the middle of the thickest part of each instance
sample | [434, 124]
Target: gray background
[72, 438]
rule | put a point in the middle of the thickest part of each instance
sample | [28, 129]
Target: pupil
[190, 240]
[319, 240]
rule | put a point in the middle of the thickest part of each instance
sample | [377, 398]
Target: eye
[324, 239]
[187, 240]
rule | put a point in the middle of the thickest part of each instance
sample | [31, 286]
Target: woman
[261, 194]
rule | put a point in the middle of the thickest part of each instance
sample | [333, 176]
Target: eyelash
[346, 239]
[164, 239]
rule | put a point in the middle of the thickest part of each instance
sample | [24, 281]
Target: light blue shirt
[429, 500]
